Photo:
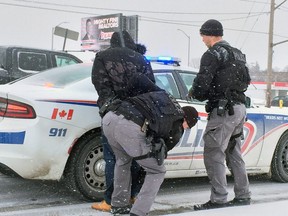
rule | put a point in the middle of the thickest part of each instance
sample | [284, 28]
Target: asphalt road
[48, 198]
[18, 194]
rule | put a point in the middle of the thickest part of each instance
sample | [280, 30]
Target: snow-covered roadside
[278, 208]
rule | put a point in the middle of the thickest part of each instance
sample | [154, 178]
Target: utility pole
[270, 51]
[270, 54]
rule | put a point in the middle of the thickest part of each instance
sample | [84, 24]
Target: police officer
[111, 71]
[216, 82]
[128, 141]
[130, 137]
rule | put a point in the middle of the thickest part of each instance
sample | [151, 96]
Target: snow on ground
[175, 198]
[278, 208]
[264, 209]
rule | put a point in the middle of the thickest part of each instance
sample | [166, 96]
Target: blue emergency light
[164, 59]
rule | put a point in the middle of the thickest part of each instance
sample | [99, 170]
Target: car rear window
[59, 77]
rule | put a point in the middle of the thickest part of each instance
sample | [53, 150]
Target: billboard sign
[96, 32]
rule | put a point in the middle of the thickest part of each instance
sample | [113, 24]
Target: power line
[147, 19]
[246, 38]
[151, 18]
[201, 21]
[244, 24]
[134, 11]
[193, 25]
[259, 2]
[44, 8]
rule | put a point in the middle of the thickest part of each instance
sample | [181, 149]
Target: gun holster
[105, 108]
[222, 103]
[208, 108]
[159, 150]
[230, 110]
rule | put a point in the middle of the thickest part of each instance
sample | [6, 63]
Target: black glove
[190, 94]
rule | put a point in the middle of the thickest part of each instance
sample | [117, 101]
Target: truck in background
[17, 61]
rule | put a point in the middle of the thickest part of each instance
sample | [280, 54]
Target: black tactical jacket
[213, 79]
[113, 67]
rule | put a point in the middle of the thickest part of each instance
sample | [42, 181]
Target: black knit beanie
[190, 115]
[212, 28]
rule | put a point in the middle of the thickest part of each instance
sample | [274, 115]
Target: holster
[104, 109]
[159, 150]
[222, 105]
[111, 104]
[209, 107]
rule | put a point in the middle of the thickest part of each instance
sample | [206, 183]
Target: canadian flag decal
[62, 114]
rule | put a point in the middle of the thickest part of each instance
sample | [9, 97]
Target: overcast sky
[246, 24]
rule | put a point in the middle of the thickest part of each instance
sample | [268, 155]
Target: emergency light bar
[164, 59]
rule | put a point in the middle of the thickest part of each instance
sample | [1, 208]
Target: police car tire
[80, 175]
[279, 165]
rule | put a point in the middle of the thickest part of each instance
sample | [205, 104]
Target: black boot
[209, 205]
[120, 210]
[239, 201]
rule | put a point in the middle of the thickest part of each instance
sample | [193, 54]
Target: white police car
[50, 129]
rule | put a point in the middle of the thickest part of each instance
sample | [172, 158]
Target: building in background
[257, 89]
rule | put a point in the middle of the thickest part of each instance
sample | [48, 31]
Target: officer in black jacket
[128, 140]
[111, 71]
[127, 132]
[222, 80]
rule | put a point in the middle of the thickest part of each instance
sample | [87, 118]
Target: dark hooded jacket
[113, 67]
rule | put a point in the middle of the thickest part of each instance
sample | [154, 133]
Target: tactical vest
[232, 78]
[161, 111]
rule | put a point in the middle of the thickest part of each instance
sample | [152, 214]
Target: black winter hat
[212, 28]
[190, 115]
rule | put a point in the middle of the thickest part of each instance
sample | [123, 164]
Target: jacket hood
[122, 39]
[141, 48]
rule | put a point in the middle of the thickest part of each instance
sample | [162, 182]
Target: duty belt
[139, 120]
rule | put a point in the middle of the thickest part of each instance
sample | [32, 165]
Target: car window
[276, 100]
[188, 79]
[31, 61]
[59, 77]
[64, 60]
[166, 81]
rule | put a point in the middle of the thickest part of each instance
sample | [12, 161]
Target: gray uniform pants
[127, 141]
[217, 148]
